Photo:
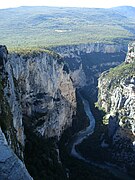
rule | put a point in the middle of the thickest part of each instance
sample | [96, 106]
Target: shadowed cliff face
[10, 108]
[88, 61]
[11, 166]
[117, 98]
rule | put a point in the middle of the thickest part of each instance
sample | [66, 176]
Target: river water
[81, 135]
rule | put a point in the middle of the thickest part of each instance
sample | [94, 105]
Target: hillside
[51, 26]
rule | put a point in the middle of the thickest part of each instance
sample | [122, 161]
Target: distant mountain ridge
[128, 11]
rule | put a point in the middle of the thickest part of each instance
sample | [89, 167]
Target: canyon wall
[10, 107]
[37, 95]
[117, 98]
[76, 50]
[38, 85]
[47, 93]
[88, 61]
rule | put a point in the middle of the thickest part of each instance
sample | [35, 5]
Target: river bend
[83, 134]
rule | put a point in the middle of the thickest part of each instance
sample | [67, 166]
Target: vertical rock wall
[47, 92]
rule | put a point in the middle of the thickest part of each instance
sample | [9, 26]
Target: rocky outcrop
[79, 78]
[131, 53]
[11, 167]
[117, 99]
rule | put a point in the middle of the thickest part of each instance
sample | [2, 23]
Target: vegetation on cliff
[34, 52]
[118, 73]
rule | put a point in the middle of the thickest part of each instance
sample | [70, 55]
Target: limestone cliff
[79, 78]
[47, 93]
[11, 167]
[37, 85]
[10, 108]
[76, 50]
[36, 92]
[117, 98]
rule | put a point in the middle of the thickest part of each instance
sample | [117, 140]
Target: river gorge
[51, 118]
[83, 134]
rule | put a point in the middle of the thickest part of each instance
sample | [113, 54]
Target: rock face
[47, 93]
[38, 86]
[10, 107]
[79, 78]
[131, 53]
[117, 98]
[11, 166]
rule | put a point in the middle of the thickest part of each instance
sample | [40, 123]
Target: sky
[67, 3]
